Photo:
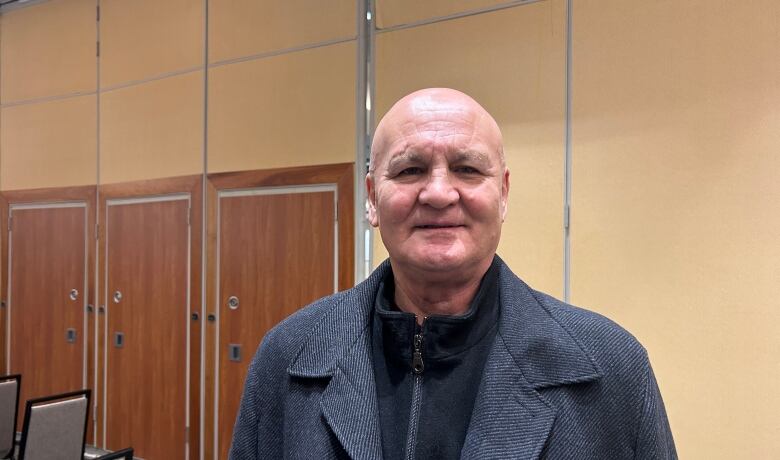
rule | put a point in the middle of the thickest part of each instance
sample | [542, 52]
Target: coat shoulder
[626, 416]
[612, 347]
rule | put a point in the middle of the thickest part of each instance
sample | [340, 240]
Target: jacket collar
[533, 350]
[540, 346]
[339, 332]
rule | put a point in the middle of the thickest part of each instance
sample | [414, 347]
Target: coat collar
[541, 346]
[533, 350]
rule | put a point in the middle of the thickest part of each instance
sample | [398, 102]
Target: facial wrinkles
[439, 165]
[443, 122]
[424, 120]
[433, 137]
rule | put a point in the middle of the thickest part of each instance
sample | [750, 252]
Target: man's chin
[438, 263]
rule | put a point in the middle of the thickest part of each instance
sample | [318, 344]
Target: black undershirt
[454, 352]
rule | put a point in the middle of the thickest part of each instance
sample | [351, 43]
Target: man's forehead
[435, 114]
[432, 130]
[434, 123]
[420, 142]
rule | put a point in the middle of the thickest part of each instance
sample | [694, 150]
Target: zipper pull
[417, 362]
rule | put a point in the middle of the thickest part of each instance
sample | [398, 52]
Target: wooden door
[277, 251]
[47, 291]
[147, 333]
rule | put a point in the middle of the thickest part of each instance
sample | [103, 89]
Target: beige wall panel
[152, 130]
[676, 182]
[145, 38]
[55, 38]
[239, 28]
[49, 144]
[512, 61]
[290, 110]
[396, 12]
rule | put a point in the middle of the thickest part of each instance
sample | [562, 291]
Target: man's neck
[447, 297]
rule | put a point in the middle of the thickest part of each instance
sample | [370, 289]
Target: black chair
[55, 427]
[9, 412]
[124, 454]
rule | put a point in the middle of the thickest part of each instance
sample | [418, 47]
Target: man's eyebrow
[412, 156]
[471, 155]
[404, 157]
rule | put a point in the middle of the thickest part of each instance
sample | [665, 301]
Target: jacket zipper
[418, 366]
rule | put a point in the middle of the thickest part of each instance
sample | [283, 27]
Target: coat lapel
[339, 348]
[510, 419]
[532, 351]
[349, 403]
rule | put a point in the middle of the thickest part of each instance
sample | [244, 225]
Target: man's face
[439, 187]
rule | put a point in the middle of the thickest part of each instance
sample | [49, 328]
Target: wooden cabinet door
[147, 333]
[47, 280]
[277, 251]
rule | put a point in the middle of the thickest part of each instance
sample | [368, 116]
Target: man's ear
[371, 214]
[504, 194]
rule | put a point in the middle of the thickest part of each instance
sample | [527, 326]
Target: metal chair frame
[124, 454]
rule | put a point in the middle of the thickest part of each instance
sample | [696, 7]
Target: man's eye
[410, 171]
[466, 170]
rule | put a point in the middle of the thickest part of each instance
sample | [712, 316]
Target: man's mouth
[438, 226]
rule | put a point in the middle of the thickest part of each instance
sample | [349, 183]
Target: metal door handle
[74, 294]
[232, 302]
[117, 296]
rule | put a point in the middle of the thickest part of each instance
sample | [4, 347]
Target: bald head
[421, 110]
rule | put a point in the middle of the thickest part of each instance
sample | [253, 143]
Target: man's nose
[438, 191]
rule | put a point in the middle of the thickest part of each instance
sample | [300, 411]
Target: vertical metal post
[567, 162]
[365, 125]
[203, 251]
[96, 298]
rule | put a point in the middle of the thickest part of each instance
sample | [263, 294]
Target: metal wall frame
[366, 24]
[567, 160]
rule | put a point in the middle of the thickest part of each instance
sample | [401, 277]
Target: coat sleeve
[257, 433]
[654, 437]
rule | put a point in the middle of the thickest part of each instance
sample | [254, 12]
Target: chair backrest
[124, 454]
[55, 427]
[9, 410]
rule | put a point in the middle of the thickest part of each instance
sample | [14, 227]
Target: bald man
[443, 352]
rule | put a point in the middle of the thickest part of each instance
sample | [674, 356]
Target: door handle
[232, 302]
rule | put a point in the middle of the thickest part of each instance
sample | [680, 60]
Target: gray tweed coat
[559, 383]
